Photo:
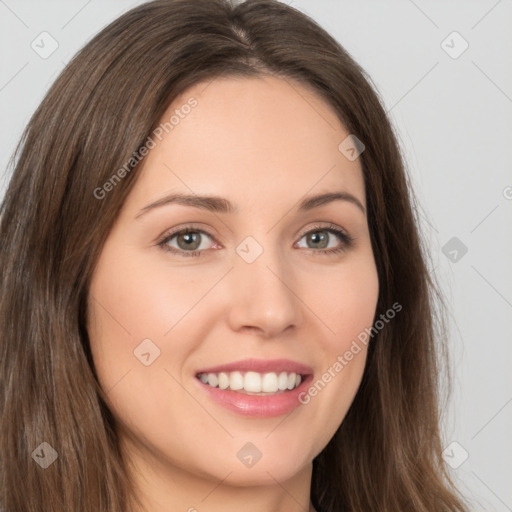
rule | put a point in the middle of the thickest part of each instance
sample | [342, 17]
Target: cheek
[131, 300]
[346, 310]
[352, 318]
[345, 301]
[127, 304]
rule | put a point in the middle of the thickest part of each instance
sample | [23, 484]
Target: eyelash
[347, 241]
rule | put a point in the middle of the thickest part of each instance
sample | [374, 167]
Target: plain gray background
[451, 106]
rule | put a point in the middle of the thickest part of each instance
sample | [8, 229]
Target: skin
[264, 144]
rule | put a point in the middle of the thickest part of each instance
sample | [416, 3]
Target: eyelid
[180, 228]
[320, 227]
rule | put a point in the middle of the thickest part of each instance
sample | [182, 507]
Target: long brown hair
[386, 455]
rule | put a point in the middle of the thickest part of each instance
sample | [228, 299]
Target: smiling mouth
[253, 383]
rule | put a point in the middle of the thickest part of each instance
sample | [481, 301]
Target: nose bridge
[263, 295]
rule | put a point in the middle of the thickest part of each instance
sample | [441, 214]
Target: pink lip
[260, 366]
[259, 406]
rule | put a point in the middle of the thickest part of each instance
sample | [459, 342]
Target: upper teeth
[252, 382]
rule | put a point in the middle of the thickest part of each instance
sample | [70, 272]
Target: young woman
[214, 293]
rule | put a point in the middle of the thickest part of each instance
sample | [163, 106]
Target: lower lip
[258, 406]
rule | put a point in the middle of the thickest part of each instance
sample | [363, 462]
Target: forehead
[251, 139]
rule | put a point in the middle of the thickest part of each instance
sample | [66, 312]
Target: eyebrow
[217, 204]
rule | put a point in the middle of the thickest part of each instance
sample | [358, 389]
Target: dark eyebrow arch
[217, 204]
[319, 200]
[213, 204]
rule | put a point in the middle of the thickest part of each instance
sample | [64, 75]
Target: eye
[189, 241]
[320, 238]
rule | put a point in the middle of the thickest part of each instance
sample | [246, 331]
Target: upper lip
[260, 366]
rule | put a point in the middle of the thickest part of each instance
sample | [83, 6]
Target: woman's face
[264, 290]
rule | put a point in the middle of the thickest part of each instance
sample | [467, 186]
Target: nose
[263, 297]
